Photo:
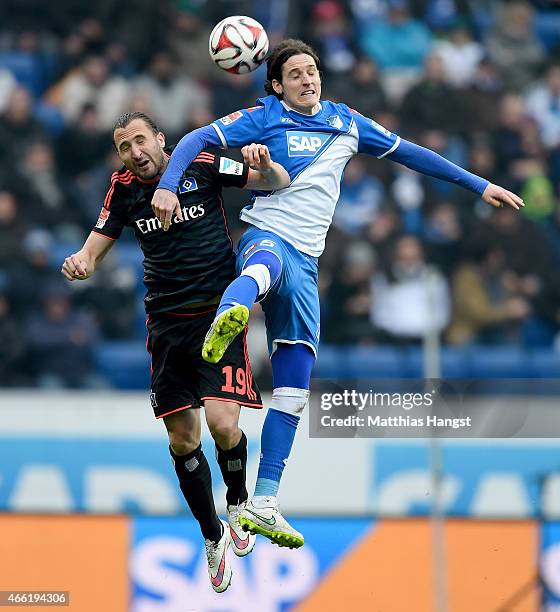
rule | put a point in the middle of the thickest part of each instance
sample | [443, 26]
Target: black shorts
[182, 379]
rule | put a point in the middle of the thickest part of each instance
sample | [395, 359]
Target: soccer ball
[238, 44]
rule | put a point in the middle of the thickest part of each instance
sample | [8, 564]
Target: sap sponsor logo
[305, 144]
[228, 119]
[153, 224]
[335, 121]
[103, 216]
[380, 128]
[188, 184]
[229, 166]
[170, 573]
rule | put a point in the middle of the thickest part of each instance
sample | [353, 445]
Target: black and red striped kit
[186, 270]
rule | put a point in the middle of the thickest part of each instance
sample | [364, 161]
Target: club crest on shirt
[335, 121]
[188, 184]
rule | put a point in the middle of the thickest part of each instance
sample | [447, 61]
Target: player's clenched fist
[257, 156]
[78, 266]
[164, 204]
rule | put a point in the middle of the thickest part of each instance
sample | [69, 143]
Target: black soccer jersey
[193, 262]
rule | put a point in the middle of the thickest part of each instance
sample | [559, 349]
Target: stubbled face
[301, 84]
[140, 150]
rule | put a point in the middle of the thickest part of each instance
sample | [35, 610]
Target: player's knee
[224, 425]
[290, 399]
[264, 267]
[184, 436]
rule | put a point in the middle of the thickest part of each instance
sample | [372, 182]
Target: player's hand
[257, 156]
[497, 196]
[164, 204]
[78, 266]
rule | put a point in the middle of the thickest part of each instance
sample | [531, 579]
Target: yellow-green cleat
[269, 523]
[223, 330]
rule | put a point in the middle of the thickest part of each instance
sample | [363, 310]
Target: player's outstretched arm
[429, 162]
[165, 201]
[265, 175]
[81, 265]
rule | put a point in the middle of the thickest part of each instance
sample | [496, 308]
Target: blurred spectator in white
[348, 298]
[460, 55]
[361, 90]
[543, 105]
[410, 298]
[398, 43]
[484, 309]
[18, 126]
[92, 84]
[361, 197]
[7, 86]
[513, 46]
[172, 96]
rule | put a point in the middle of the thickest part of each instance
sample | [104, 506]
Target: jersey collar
[289, 108]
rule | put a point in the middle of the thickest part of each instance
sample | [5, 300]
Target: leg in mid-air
[231, 452]
[195, 482]
[291, 366]
[261, 269]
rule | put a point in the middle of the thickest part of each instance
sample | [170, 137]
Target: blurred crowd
[475, 80]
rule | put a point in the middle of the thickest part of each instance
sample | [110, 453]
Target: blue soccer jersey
[314, 149]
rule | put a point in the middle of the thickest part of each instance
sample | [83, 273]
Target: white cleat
[242, 541]
[219, 569]
[270, 523]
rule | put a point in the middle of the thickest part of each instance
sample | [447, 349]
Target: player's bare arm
[81, 265]
[265, 174]
[498, 196]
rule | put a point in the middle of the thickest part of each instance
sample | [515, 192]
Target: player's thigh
[254, 241]
[174, 383]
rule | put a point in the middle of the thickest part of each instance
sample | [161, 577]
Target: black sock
[195, 481]
[233, 464]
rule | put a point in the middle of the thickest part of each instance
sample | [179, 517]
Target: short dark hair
[280, 55]
[127, 118]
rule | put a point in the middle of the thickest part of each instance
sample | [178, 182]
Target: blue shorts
[291, 306]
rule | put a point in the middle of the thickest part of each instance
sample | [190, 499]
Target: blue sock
[277, 437]
[243, 290]
[291, 367]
